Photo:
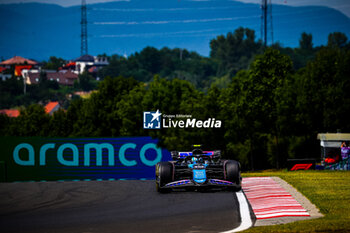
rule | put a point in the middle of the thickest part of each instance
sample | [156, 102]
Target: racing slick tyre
[164, 175]
[233, 173]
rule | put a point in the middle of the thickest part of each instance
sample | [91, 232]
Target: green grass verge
[328, 190]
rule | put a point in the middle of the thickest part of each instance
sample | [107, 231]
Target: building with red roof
[18, 60]
[10, 112]
[52, 107]
[85, 62]
[63, 77]
[18, 69]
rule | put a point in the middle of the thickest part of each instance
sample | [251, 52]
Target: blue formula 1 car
[198, 170]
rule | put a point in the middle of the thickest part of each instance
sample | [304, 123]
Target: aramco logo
[24, 154]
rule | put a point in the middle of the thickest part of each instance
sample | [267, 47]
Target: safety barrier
[42, 159]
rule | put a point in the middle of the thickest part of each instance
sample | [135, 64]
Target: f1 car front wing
[209, 182]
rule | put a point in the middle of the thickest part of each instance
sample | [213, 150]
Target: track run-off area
[135, 206]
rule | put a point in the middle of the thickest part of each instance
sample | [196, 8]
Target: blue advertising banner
[37, 159]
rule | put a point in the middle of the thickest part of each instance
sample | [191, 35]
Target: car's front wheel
[233, 173]
[164, 175]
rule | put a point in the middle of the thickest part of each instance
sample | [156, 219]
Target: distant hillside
[38, 31]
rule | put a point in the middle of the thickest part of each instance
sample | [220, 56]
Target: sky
[341, 5]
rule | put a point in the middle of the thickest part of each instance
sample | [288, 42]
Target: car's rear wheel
[164, 175]
[233, 173]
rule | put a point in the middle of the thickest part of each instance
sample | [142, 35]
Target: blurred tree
[305, 42]
[5, 123]
[267, 76]
[252, 104]
[32, 121]
[150, 60]
[54, 63]
[337, 39]
[168, 63]
[59, 125]
[235, 51]
[323, 100]
[85, 82]
[9, 90]
[97, 116]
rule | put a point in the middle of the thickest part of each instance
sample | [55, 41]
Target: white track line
[246, 221]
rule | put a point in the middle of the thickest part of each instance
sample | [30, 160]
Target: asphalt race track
[113, 206]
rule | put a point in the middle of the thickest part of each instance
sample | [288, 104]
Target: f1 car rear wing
[183, 155]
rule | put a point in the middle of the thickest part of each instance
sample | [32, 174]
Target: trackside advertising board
[36, 159]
